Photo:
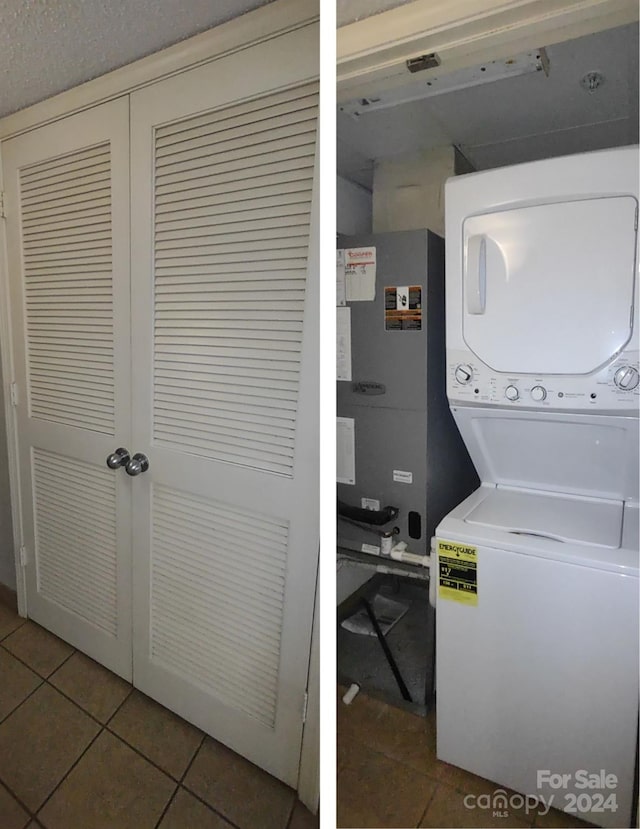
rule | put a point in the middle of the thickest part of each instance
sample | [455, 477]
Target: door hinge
[305, 705]
[23, 556]
[3, 215]
[14, 394]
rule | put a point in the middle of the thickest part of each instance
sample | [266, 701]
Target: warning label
[403, 308]
[458, 572]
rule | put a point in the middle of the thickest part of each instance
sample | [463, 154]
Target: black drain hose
[367, 516]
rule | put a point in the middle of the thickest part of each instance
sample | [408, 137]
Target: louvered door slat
[72, 563]
[266, 187]
[240, 171]
[241, 377]
[241, 620]
[269, 592]
[56, 221]
[65, 165]
[229, 323]
[272, 219]
[91, 172]
[293, 114]
[244, 234]
[68, 286]
[232, 144]
[95, 233]
[66, 205]
[89, 185]
[71, 378]
[267, 267]
[253, 110]
[245, 114]
[48, 232]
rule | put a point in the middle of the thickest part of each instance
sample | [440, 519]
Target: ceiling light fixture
[418, 89]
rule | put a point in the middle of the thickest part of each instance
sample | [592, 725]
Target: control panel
[615, 387]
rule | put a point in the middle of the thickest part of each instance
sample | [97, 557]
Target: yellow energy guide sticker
[458, 572]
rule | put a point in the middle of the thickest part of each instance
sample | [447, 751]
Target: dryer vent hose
[367, 516]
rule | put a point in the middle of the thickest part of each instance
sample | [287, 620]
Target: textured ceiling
[348, 11]
[47, 46]
[512, 120]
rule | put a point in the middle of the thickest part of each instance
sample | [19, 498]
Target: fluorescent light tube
[436, 84]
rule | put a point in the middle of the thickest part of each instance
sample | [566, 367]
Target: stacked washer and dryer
[537, 601]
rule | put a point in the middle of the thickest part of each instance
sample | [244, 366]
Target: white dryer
[537, 601]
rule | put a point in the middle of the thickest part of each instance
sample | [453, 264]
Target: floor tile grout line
[31, 668]
[196, 795]
[84, 710]
[106, 727]
[45, 681]
[20, 704]
[167, 805]
[429, 802]
[179, 783]
[192, 760]
[64, 661]
[182, 786]
[17, 799]
[212, 808]
[141, 754]
[111, 716]
[204, 802]
[102, 728]
[68, 772]
[13, 630]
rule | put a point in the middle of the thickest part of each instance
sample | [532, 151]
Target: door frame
[265, 23]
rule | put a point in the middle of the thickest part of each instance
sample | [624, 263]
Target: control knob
[626, 378]
[463, 373]
[538, 393]
[511, 393]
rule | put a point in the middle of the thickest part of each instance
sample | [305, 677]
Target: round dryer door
[548, 289]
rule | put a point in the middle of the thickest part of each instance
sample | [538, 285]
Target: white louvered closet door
[67, 203]
[225, 353]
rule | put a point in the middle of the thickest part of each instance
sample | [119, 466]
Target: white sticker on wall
[360, 274]
[402, 477]
[345, 450]
[343, 343]
[341, 295]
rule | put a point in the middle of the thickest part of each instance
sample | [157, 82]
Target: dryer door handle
[475, 286]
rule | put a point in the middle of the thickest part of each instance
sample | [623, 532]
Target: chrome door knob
[119, 458]
[138, 464]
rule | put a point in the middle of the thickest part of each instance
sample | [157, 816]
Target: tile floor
[389, 775]
[81, 749]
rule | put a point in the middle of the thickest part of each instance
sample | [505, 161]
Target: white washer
[537, 607]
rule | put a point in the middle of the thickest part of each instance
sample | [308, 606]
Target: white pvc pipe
[351, 694]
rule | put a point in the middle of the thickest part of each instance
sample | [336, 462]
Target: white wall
[7, 566]
[408, 192]
[354, 208]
